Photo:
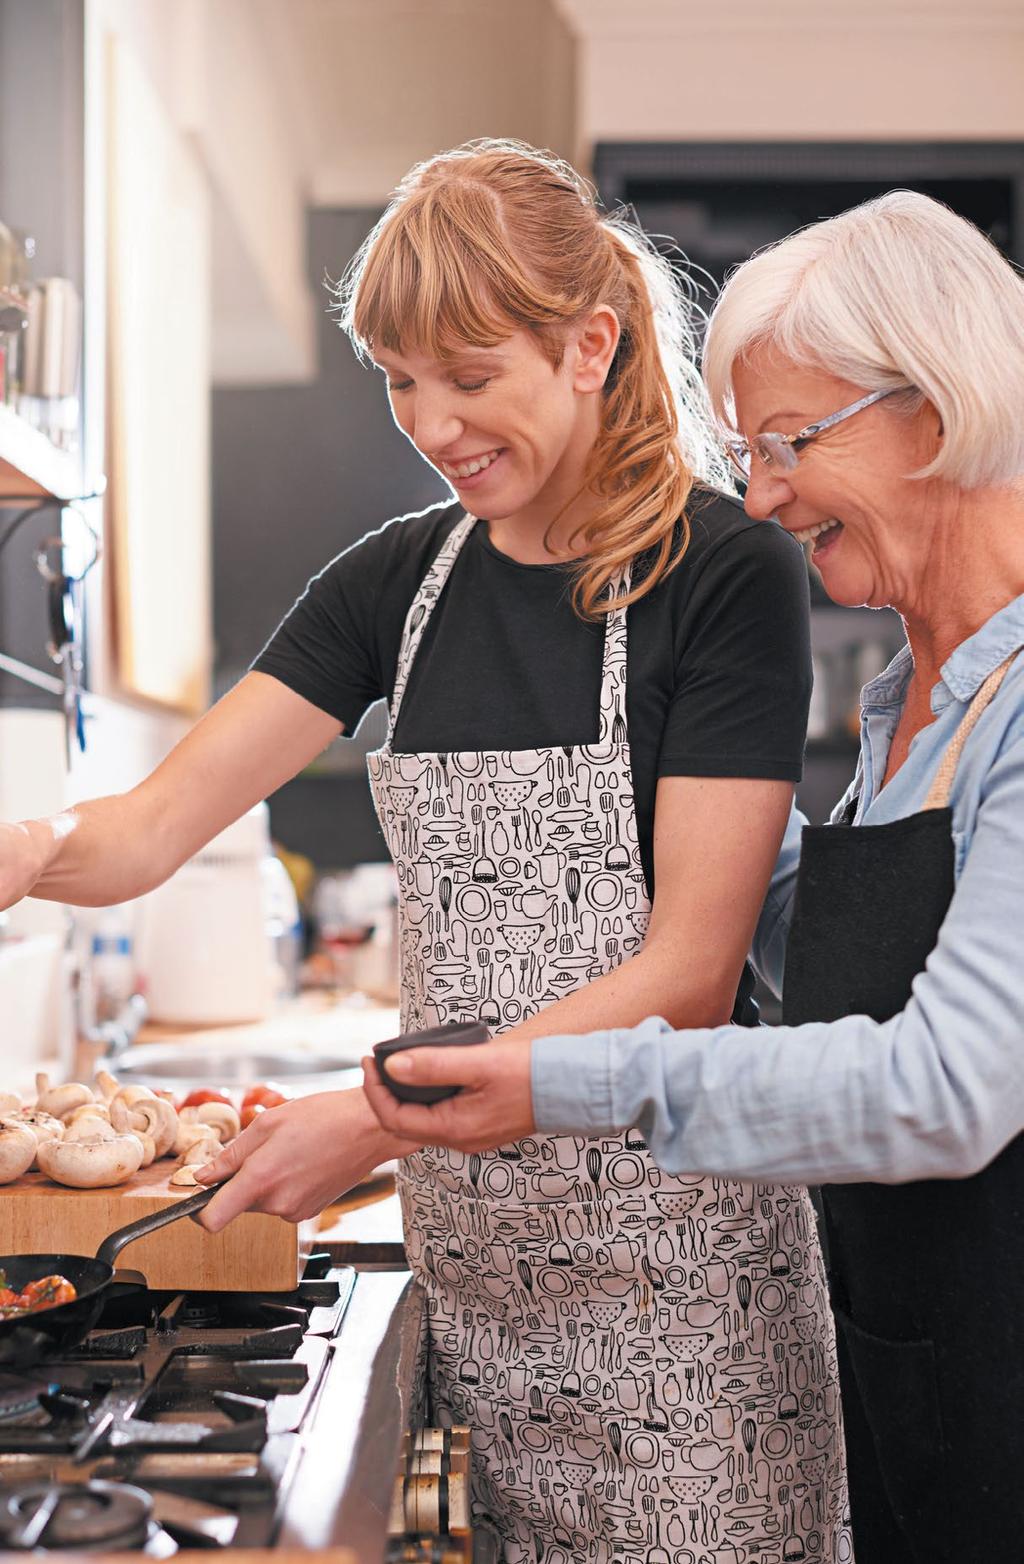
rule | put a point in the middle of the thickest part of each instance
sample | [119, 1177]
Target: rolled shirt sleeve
[935, 1092]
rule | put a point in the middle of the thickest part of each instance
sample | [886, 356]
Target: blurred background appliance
[218, 941]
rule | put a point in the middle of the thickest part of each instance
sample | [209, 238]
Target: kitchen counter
[311, 1043]
[315, 1021]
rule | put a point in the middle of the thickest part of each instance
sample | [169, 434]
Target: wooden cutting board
[254, 1253]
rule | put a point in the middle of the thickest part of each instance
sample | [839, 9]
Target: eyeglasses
[781, 452]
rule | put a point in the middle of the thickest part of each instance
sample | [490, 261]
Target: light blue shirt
[935, 1092]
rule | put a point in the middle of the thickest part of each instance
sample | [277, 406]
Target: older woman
[872, 370]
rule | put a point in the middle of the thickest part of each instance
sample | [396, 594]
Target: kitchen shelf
[31, 465]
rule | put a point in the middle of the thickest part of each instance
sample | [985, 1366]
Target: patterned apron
[646, 1361]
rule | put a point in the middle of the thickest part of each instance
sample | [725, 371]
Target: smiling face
[509, 430]
[873, 527]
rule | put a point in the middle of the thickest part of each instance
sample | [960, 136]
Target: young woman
[597, 701]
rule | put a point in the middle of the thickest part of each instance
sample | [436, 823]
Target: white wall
[797, 69]
[373, 86]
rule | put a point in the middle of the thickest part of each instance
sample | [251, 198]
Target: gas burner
[214, 1420]
[111, 1344]
[86, 1516]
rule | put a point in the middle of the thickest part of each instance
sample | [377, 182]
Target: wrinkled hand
[494, 1107]
[294, 1160]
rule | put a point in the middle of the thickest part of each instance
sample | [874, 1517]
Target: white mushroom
[185, 1175]
[88, 1110]
[9, 1104]
[43, 1125]
[91, 1164]
[185, 1134]
[17, 1150]
[121, 1119]
[158, 1119]
[151, 1117]
[60, 1100]
[90, 1127]
[108, 1085]
[195, 1142]
[222, 1118]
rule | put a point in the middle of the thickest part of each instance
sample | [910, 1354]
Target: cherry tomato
[8, 1297]
[252, 1110]
[197, 1098]
[48, 1292]
[266, 1094]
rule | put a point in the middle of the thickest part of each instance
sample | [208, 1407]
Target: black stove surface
[195, 1401]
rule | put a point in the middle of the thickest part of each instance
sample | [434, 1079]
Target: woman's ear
[931, 428]
[594, 349]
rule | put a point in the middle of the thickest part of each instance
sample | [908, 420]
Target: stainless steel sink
[176, 1066]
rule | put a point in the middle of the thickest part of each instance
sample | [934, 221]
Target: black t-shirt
[718, 673]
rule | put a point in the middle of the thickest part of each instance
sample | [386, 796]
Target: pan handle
[111, 1247]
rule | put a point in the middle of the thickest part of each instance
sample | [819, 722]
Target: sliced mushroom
[60, 1100]
[17, 1150]
[91, 1164]
[186, 1175]
[9, 1104]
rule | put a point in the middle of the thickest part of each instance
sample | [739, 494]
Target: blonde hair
[898, 292]
[495, 236]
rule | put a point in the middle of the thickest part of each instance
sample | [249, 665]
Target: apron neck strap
[430, 590]
[613, 666]
[942, 784]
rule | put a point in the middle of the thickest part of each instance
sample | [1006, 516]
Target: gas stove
[239, 1421]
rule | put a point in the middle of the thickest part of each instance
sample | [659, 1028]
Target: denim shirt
[935, 1092]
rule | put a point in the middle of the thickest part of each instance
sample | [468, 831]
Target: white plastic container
[111, 971]
[205, 949]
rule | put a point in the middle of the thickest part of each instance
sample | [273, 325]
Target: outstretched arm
[114, 849]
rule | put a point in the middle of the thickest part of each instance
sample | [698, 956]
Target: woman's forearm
[658, 981]
[101, 852]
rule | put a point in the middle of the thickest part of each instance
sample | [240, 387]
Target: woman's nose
[436, 424]
[766, 491]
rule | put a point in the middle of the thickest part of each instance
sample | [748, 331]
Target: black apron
[927, 1279]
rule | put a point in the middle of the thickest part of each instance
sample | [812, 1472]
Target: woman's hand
[494, 1107]
[294, 1160]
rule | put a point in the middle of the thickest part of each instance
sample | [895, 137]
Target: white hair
[897, 292]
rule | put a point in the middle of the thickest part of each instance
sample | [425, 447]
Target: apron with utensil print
[646, 1361]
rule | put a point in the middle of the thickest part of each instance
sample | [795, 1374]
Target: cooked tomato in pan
[46, 1293]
